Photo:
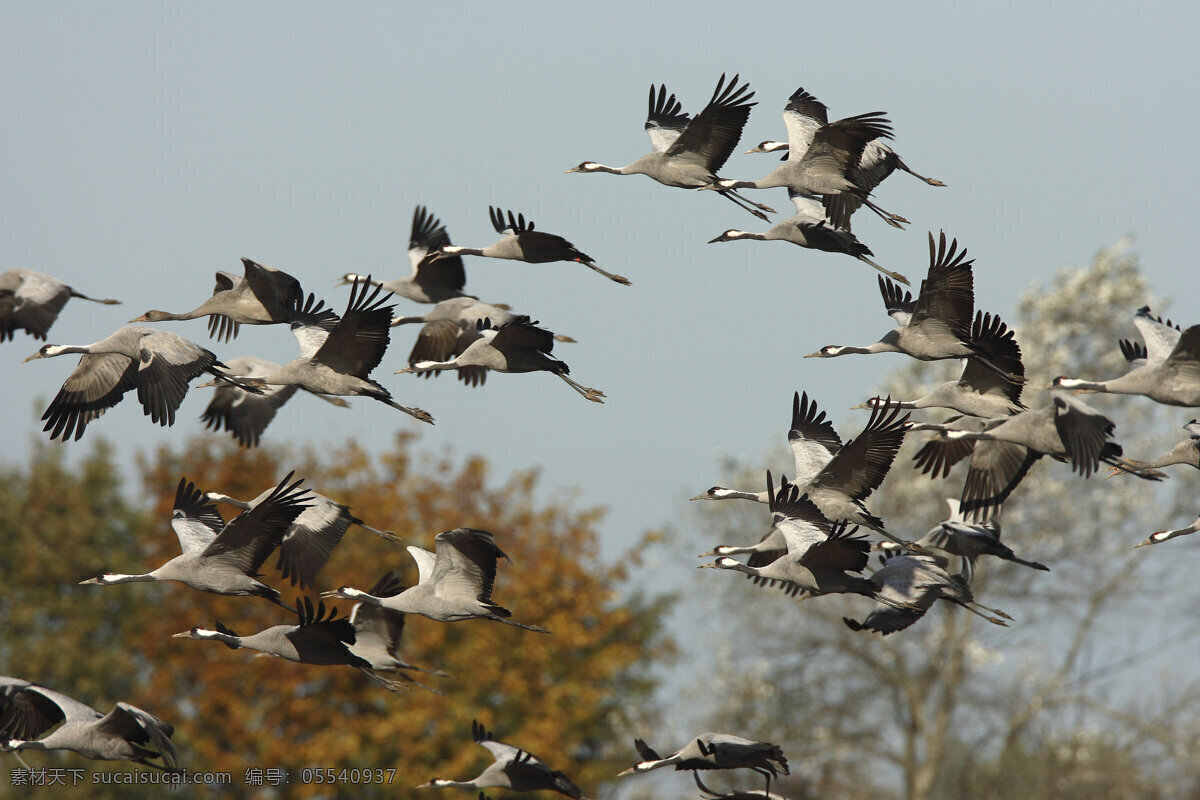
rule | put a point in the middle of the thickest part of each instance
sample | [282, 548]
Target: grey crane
[1158, 537]
[1068, 430]
[838, 478]
[877, 163]
[810, 228]
[378, 630]
[713, 751]
[262, 296]
[453, 584]
[1172, 379]
[158, 364]
[955, 536]
[31, 301]
[513, 768]
[450, 327]
[813, 441]
[688, 153]
[1185, 452]
[771, 546]
[909, 585]
[980, 391]
[245, 414]
[823, 158]
[520, 242]
[218, 557]
[938, 324]
[518, 345]
[28, 711]
[433, 279]
[810, 554]
[340, 362]
[310, 538]
[318, 638]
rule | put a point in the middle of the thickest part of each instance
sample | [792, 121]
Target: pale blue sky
[147, 145]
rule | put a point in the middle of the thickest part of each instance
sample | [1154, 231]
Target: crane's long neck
[228, 639]
[217, 497]
[728, 563]
[1078, 384]
[440, 782]
[351, 277]
[112, 578]
[51, 350]
[430, 366]
[455, 250]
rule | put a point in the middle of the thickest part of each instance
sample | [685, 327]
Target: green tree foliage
[562, 696]
[1092, 657]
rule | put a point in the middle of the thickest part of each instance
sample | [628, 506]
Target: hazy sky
[148, 145]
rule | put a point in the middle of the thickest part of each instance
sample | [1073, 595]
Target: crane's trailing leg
[621, 279]
[595, 395]
[896, 276]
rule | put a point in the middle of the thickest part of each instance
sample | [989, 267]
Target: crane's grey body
[1171, 377]
[516, 346]
[318, 638]
[245, 414]
[713, 751]
[432, 280]
[309, 541]
[938, 325]
[981, 390]
[31, 301]
[818, 553]
[837, 478]
[513, 768]
[689, 152]
[823, 157]
[262, 296]
[955, 536]
[909, 585]
[217, 557]
[339, 361]
[453, 584]
[28, 710]
[521, 242]
[810, 228]
[158, 364]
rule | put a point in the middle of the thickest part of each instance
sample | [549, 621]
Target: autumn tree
[563, 696]
[1084, 695]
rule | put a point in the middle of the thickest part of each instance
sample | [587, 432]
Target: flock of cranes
[813, 545]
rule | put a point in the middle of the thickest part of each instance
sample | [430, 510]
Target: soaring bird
[819, 554]
[1171, 377]
[218, 557]
[520, 242]
[938, 325]
[513, 768]
[245, 414]
[158, 364]
[981, 390]
[518, 345]
[812, 229]
[710, 751]
[28, 710]
[309, 540]
[433, 279]
[340, 362]
[908, 585]
[317, 638]
[262, 296]
[31, 301]
[453, 584]
[688, 153]
[824, 158]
